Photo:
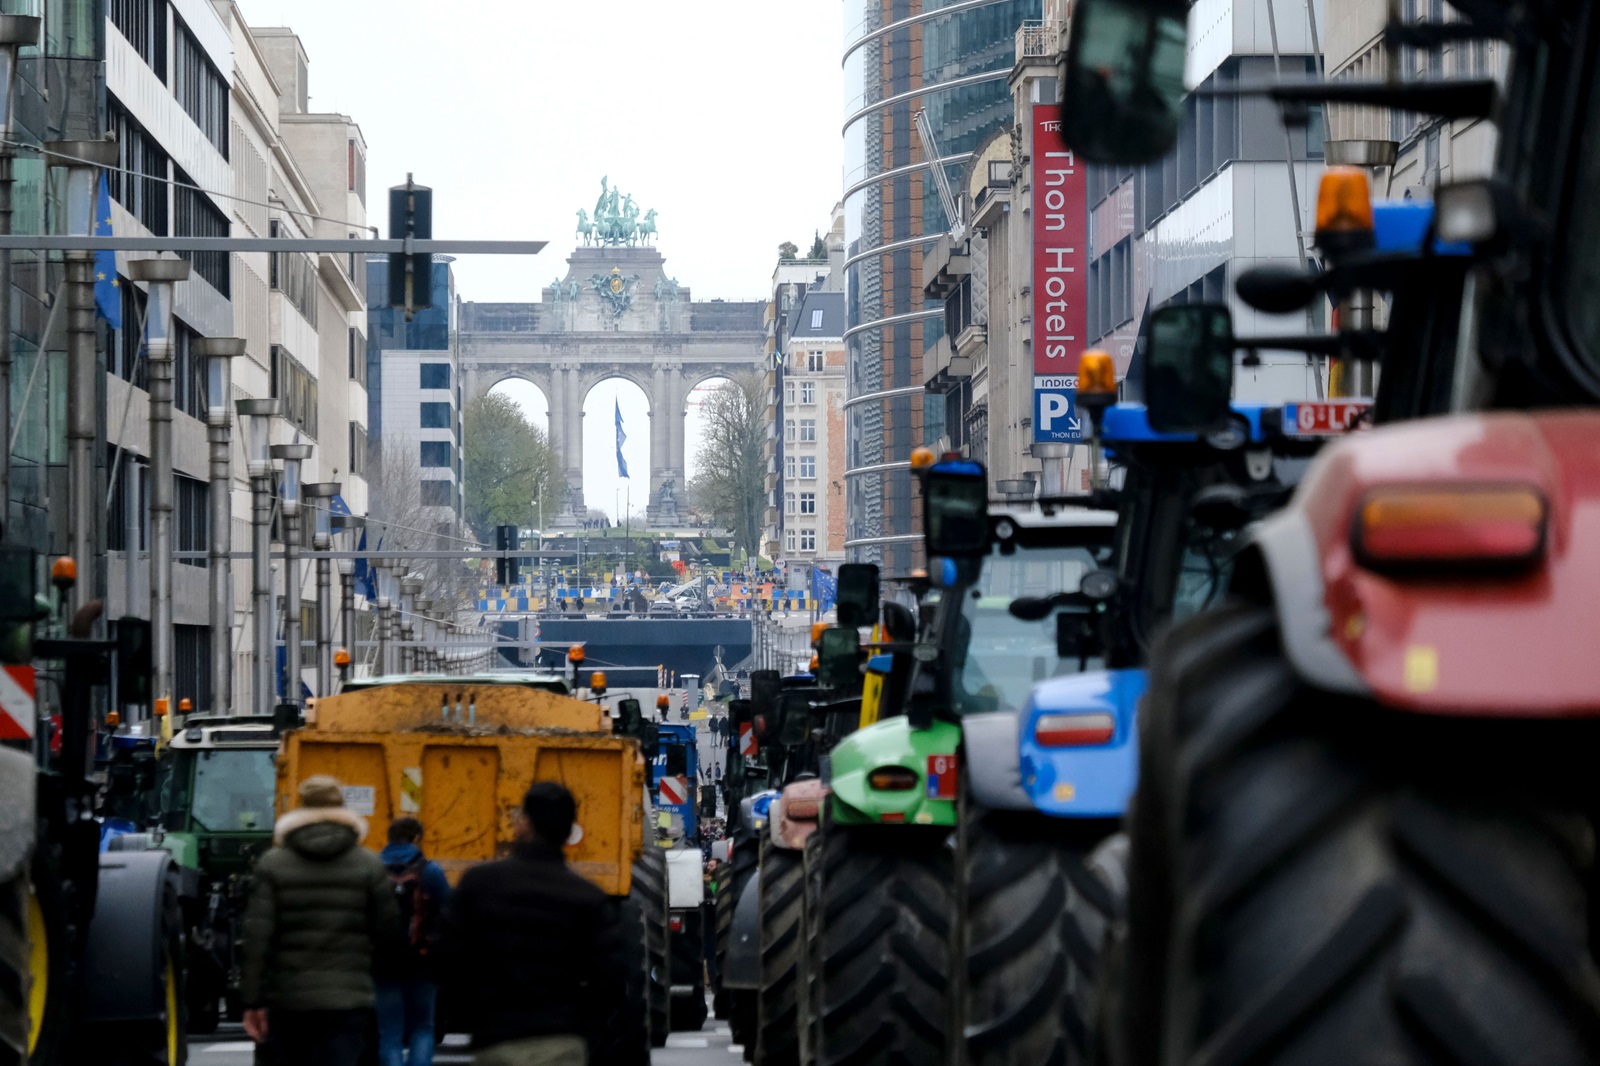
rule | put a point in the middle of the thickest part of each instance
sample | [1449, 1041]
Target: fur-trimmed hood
[319, 832]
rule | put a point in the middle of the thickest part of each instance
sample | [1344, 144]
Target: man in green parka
[320, 918]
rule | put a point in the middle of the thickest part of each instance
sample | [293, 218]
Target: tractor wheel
[782, 875]
[1315, 878]
[885, 905]
[163, 1041]
[16, 970]
[33, 963]
[743, 864]
[1036, 916]
[689, 968]
[628, 1027]
[650, 891]
[811, 933]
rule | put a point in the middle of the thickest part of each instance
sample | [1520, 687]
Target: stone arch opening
[694, 420]
[606, 491]
[530, 396]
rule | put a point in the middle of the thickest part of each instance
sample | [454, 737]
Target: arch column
[679, 414]
[572, 419]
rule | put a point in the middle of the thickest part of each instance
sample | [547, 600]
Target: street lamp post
[256, 417]
[410, 589]
[385, 619]
[321, 494]
[16, 31]
[83, 161]
[159, 276]
[219, 353]
[345, 540]
[291, 455]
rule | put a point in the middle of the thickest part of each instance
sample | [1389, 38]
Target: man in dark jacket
[531, 950]
[406, 996]
[321, 915]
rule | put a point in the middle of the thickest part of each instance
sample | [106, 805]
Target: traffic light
[507, 569]
[410, 276]
[134, 665]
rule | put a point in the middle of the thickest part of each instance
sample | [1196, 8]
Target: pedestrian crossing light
[410, 276]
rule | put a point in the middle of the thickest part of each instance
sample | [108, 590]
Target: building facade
[813, 518]
[901, 57]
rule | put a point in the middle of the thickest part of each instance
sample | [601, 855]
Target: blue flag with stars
[107, 290]
[622, 467]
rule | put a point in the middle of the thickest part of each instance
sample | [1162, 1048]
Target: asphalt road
[712, 1046]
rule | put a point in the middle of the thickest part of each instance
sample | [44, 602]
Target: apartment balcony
[1038, 40]
[993, 198]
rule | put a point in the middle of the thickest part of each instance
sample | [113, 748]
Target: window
[190, 517]
[358, 357]
[814, 362]
[789, 467]
[144, 24]
[808, 466]
[295, 275]
[358, 170]
[436, 453]
[117, 519]
[188, 373]
[193, 215]
[789, 503]
[435, 416]
[816, 318]
[808, 429]
[789, 539]
[788, 393]
[788, 430]
[808, 540]
[140, 182]
[200, 89]
[436, 375]
[296, 389]
[808, 503]
[808, 392]
[129, 345]
[437, 493]
[358, 449]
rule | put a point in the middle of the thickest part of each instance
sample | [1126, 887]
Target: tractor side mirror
[1121, 79]
[1188, 385]
[839, 657]
[857, 595]
[649, 741]
[955, 501]
[629, 717]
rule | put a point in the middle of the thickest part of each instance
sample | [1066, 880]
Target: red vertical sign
[1060, 249]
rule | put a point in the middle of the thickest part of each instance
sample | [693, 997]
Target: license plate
[941, 777]
[1322, 418]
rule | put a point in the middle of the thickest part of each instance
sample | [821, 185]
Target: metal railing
[1038, 40]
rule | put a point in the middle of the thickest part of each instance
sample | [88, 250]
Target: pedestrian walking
[407, 996]
[321, 917]
[532, 951]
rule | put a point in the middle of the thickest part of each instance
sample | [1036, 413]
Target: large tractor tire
[1037, 915]
[650, 892]
[811, 954]
[160, 1041]
[884, 904]
[1317, 879]
[628, 1025]
[688, 969]
[33, 965]
[743, 864]
[16, 976]
[781, 886]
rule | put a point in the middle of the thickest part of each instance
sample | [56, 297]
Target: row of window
[191, 513]
[804, 429]
[139, 183]
[800, 503]
[358, 449]
[800, 392]
[296, 388]
[808, 361]
[144, 24]
[804, 540]
[294, 275]
[800, 466]
[194, 216]
[201, 91]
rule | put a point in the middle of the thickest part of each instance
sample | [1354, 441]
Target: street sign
[16, 703]
[1323, 417]
[1055, 410]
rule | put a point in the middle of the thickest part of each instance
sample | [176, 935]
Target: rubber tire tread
[743, 864]
[649, 889]
[14, 969]
[811, 952]
[145, 1043]
[688, 1013]
[628, 1023]
[886, 903]
[778, 1003]
[1317, 879]
[1037, 917]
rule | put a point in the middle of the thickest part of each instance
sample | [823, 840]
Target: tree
[398, 520]
[507, 463]
[788, 250]
[819, 248]
[733, 471]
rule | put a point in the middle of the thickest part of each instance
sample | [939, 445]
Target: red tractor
[1368, 819]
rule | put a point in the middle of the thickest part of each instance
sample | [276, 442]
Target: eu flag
[824, 588]
[107, 290]
[622, 467]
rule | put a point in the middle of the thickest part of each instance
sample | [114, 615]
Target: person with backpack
[406, 996]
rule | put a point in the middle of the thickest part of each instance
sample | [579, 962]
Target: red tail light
[677, 924]
[1455, 525]
[1074, 730]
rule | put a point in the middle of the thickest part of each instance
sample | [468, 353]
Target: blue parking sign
[1055, 410]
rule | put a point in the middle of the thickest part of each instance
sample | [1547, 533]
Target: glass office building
[951, 58]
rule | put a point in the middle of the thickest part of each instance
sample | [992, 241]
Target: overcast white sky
[723, 115]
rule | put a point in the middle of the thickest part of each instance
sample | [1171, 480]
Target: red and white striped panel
[674, 790]
[747, 739]
[16, 703]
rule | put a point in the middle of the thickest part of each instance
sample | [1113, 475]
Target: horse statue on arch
[647, 226]
[585, 227]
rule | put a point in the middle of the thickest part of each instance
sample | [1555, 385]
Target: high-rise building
[901, 57]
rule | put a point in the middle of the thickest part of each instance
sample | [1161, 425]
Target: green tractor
[880, 885]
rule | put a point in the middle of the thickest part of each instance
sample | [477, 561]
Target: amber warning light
[1451, 526]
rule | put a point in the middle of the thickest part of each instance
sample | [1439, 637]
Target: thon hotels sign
[1060, 275]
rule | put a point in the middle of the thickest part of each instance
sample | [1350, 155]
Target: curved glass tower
[952, 58]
